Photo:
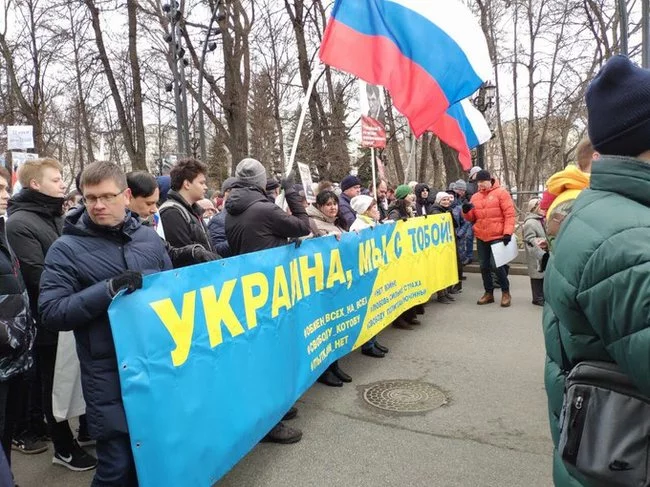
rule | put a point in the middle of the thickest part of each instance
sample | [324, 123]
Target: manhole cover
[404, 396]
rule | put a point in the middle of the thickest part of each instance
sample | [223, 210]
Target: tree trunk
[140, 162]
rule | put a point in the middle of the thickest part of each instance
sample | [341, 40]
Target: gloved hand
[288, 182]
[129, 280]
[506, 239]
[467, 207]
[199, 255]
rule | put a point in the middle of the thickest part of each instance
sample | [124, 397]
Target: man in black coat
[17, 332]
[181, 216]
[35, 220]
[104, 249]
[254, 223]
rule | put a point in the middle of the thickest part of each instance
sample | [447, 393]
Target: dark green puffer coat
[597, 285]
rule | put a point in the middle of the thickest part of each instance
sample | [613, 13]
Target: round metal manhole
[404, 396]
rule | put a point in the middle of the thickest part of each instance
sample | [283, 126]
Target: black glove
[129, 280]
[467, 207]
[506, 239]
[199, 255]
[288, 182]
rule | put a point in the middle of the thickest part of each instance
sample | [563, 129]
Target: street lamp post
[483, 102]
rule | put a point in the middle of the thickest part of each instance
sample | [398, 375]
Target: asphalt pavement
[492, 431]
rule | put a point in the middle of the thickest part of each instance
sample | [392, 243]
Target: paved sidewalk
[493, 431]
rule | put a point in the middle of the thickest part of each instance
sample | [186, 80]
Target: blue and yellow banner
[212, 356]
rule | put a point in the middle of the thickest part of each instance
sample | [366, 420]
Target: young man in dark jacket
[103, 249]
[35, 219]
[597, 284]
[181, 216]
[17, 332]
[254, 223]
[143, 204]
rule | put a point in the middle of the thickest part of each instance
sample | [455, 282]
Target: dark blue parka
[75, 296]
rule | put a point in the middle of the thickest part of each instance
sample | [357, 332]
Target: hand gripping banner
[212, 356]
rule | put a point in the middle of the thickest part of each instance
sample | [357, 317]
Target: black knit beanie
[618, 107]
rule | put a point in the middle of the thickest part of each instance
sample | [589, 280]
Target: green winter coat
[597, 285]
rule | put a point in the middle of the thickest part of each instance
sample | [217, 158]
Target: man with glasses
[34, 223]
[104, 249]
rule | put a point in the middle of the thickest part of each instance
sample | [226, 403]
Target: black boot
[381, 348]
[339, 373]
[456, 289]
[330, 379]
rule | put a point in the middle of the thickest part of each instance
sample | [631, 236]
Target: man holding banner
[104, 249]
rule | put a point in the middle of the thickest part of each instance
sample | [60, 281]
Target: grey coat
[533, 229]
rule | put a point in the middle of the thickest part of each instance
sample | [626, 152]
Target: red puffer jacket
[493, 215]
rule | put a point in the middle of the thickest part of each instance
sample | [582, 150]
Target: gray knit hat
[462, 185]
[251, 171]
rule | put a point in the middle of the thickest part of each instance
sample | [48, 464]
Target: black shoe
[401, 324]
[291, 414]
[381, 348]
[538, 303]
[414, 321]
[373, 352]
[283, 434]
[330, 379]
[78, 460]
[444, 300]
[28, 446]
[464, 278]
[456, 289]
[339, 373]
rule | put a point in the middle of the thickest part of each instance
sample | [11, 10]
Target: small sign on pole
[20, 137]
[307, 183]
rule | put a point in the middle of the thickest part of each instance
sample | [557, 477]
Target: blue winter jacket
[346, 214]
[75, 295]
[217, 229]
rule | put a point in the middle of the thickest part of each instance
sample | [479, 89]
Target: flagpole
[374, 174]
[301, 121]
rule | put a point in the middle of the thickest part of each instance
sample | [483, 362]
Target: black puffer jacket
[423, 206]
[180, 232]
[217, 229]
[34, 223]
[75, 296]
[17, 330]
[254, 223]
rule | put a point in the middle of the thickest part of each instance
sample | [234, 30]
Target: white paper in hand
[504, 254]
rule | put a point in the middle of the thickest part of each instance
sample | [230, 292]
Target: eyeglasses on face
[106, 199]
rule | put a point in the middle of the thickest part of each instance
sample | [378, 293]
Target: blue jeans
[487, 265]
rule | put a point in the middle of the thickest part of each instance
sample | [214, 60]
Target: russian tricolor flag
[429, 54]
[462, 128]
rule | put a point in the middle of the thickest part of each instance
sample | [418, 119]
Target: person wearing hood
[17, 333]
[253, 222]
[323, 217]
[423, 200]
[103, 250]
[535, 246]
[181, 216]
[492, 213]
[34, 224]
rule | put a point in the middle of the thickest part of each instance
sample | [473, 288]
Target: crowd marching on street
[63, 258]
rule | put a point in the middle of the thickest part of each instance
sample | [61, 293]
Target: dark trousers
[12, 394]
[537, 287]
[31, 421]
[60, 432]
[115, 465]
[486, 262]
